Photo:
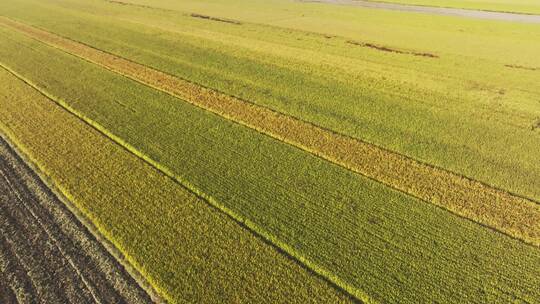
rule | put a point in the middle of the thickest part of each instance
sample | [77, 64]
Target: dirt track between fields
[457, 12]
[46, 254]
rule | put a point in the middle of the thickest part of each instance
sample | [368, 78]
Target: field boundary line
[354, 293]
[500, 210]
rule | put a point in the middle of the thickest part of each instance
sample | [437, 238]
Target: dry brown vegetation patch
[130, 4]
[194, 15]
[391, 50]
[536, 124]
[514, 66]
[215, 19]
[511, 214]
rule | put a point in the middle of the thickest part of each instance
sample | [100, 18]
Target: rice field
[123, 207]
[286, 152]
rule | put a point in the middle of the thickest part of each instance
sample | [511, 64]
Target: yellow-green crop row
[188, 250]
[470, 111]
[498, 209]
[382, 245]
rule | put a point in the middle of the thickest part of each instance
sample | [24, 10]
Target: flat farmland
[525, 7]
[345, 163]
[205, 272]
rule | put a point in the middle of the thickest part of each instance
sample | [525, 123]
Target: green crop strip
[239, 218]
[157, 228]
[243, 221]
[465, 111]
[381, 242]
[514, 215]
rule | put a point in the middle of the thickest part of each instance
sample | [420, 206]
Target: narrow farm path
[434, 10]
[46, 254]
[511, 214]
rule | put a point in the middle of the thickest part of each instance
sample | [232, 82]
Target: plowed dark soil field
[46, 254]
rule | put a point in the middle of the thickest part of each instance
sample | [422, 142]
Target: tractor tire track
[46, 254]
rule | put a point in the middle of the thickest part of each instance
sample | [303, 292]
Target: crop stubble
[511, 214]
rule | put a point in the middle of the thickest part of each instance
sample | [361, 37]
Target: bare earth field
[46, 254]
